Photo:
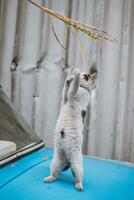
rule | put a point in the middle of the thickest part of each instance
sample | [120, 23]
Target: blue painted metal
[103, 180]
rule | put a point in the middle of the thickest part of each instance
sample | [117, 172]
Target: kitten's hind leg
[57, 165]
[49, 179]
[77, 169]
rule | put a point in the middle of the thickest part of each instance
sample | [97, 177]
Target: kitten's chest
[70, 113]
[70, 118]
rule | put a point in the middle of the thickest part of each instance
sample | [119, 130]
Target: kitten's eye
[86, 76]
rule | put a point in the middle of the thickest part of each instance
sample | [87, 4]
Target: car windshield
[15, 134]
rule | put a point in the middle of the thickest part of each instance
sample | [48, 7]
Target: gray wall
[33, 65]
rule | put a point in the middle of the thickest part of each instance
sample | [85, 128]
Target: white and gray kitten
[68, 136]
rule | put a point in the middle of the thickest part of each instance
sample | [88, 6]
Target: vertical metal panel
[8, 24]
[123, 79]
[36, 81]
[108, 82]
[28, 57]
[50, 73]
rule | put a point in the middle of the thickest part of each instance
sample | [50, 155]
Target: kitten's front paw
[76, 71]
[79, 186]
[69, 79]
[49, 179]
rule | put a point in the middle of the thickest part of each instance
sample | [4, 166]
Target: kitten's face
[88, 81]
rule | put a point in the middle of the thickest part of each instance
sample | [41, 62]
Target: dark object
[62, 133]
[67, 167]
[83, 114]
[93, 69]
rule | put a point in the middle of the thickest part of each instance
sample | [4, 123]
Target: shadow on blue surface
[103, 180]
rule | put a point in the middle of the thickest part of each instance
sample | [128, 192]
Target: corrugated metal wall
[33, 66]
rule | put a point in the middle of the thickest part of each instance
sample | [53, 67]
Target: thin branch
[82, 49]
[55, 34]
[94, 32]
[81, 46]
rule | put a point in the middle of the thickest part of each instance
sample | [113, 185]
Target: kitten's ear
[93, 74]
[93, 69]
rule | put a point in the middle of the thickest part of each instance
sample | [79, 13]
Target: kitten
[68, 136]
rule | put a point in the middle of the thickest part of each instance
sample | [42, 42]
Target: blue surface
[103, 180]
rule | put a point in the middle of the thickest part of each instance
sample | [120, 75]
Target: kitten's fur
[68, 136]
